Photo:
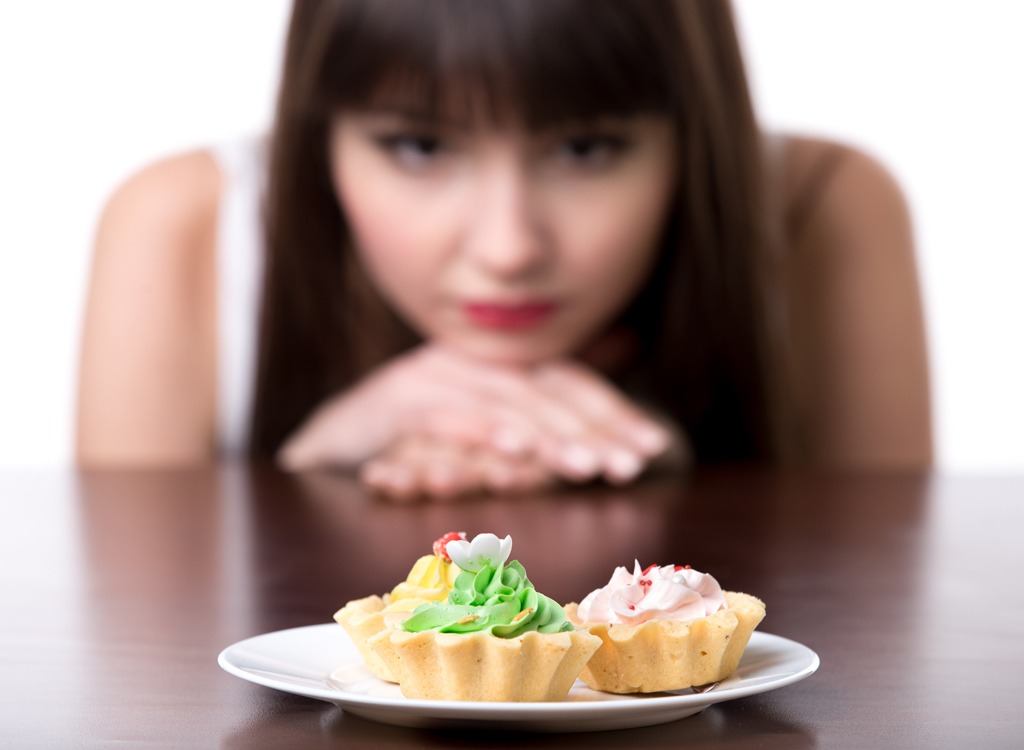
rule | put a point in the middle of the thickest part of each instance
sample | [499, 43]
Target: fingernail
[623, 465]
[509, 441]
[580, 460]
[399, 478]
[652, 440]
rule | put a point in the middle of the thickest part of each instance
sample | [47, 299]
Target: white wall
[933, 87]
[91, 90]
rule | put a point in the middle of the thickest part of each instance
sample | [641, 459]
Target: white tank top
[239, 275]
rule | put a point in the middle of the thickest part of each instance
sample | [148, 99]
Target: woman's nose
[505, 233]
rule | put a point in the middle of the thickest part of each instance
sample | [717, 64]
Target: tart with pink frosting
[664, 628]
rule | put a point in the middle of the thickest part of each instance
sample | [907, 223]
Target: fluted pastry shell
[482, 667]
[363, 619]
[668, 655]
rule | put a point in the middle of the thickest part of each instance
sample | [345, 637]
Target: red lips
[509, 316]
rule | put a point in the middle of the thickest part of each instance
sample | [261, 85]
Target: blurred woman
[505, 244]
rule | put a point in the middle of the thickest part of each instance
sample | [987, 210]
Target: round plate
[320, 661]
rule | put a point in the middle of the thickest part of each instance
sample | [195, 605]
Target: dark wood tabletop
[119, 589]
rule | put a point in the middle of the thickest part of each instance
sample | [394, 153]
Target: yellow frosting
[430, 580]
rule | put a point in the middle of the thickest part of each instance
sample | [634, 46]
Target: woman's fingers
[503, 474]
[528, 418]
[391, 478]
[424, 466]
[607, 410]
[421, 466]
[581, 426]
[503, 428]
[576, 422]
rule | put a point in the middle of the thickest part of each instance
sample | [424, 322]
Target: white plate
[319, 661]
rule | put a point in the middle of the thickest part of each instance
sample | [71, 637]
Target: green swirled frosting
[497, 600]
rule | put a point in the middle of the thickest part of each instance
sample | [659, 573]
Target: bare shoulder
[857, 318]
[161, 220]
[847, 220]
[147, 372]
[179, 192]
[831, 186]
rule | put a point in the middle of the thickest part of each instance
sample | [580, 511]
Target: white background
[90, 91]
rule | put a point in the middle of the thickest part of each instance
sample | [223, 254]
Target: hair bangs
[528, 62]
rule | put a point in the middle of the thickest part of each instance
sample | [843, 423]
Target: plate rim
[538, 710]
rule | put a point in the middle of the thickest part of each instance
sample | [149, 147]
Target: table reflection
[335, 536]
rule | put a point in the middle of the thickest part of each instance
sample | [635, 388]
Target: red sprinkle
[683, 567]
[648, 569]
[442, 543]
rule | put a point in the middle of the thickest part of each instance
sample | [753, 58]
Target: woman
[511, 243]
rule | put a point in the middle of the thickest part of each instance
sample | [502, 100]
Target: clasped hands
[436, 423]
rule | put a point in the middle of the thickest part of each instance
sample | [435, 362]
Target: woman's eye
[592, 150]
[412, 151]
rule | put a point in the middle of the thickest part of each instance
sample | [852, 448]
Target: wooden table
[118, 590]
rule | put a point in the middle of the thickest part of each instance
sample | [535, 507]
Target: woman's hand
[563, 416]
[442, 468]
[445, 467]
[424, 391]
[576, 424]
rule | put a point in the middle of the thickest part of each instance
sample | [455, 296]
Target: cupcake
[431, 578]
[664, 628]
[495, 638]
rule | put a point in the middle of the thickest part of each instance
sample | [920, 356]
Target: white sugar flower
[484, 550]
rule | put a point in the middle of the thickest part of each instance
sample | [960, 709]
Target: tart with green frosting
[495, 637]
[430, 580]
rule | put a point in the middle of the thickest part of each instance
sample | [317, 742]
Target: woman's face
[509, 245]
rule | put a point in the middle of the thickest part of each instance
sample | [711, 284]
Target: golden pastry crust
[668, 655]
[482, 667]
[362, 619]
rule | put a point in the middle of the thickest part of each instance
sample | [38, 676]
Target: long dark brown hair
[700, 351]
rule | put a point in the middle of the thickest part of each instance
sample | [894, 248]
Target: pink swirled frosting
[669, 592]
